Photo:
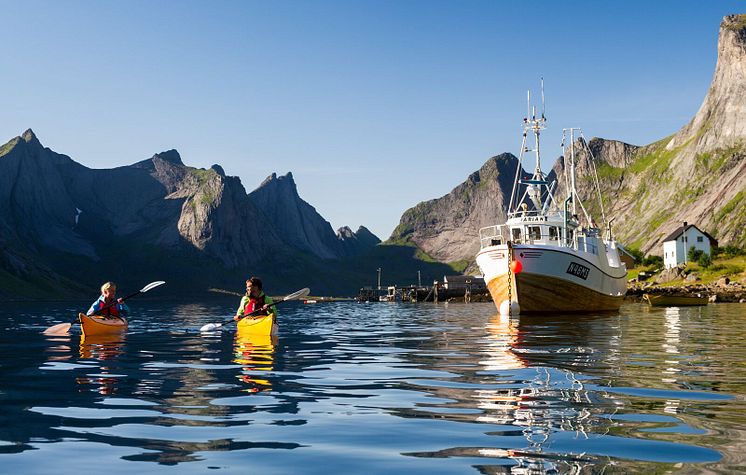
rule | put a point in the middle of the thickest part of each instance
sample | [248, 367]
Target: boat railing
[493, 235]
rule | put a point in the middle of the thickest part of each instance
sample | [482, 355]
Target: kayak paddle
[294, 296]
[62, 328]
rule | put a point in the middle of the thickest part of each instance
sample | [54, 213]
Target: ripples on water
[377, 388]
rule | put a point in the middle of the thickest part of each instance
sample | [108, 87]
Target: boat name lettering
[535, 219]
[578, 271]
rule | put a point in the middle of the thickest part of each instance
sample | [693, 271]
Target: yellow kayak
[97, 325]
[263, 325]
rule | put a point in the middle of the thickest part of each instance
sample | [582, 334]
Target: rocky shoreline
[724, 290]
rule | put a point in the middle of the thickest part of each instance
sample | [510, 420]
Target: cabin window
[516, 233]
[534, 233]
[553, 233]
[699, 238]
[496, 241]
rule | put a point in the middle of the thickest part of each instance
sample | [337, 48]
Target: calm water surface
[376, 388]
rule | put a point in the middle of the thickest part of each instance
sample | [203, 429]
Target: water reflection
[255, 354]
[102, 348]
[382, 388]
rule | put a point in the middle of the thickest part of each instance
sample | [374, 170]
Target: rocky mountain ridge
[57, 212]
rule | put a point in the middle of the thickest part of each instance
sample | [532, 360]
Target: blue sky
[373, 106]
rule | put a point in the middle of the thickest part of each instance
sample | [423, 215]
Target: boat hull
[674, 300]
[552, 280]
[257, 326]
[95, 325]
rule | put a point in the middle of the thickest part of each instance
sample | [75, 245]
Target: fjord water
[376, 388]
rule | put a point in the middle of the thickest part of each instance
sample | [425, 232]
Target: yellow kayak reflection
[102, 347]
[255, 354]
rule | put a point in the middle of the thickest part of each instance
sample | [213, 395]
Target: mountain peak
[281, 181]
[721, 119]
[734, 22]
[29, 135]
[171, 156]
[30, 138]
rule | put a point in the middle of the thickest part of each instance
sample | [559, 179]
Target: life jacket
[112, 311]
[255, 304]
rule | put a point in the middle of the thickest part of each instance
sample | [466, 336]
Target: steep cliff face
[36, 208]
[447, 228]
[697, 175]
[297, 223]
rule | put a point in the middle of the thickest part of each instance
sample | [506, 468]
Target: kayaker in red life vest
[255, 299]
[108, 296]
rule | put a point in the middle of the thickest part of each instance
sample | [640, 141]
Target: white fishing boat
[545, 258]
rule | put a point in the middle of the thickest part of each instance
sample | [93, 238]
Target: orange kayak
[97, 325]
[257, 326]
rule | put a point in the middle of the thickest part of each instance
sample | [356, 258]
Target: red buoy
[516, 267]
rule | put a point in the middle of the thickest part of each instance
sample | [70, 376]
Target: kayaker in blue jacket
[255, 299]
[108, 297]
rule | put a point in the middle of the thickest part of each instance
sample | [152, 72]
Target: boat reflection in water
[101, 348]
[255, 354]
[543, 414]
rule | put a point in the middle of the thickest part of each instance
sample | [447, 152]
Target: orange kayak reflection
[101, 348]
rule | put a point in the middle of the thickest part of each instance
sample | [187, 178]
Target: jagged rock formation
[447, 228]
[296, 221]
[156, 216]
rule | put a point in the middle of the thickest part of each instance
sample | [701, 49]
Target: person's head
[254, 286]
[109, 290]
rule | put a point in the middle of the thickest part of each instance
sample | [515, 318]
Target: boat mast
[573, 191]
[536, 126]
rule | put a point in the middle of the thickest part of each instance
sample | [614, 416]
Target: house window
[553, 233]
[534, 233]
[699, 238]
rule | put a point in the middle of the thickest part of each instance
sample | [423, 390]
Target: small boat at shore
[662, 300]
[98, 325]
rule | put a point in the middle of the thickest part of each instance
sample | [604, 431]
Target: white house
[677, 244]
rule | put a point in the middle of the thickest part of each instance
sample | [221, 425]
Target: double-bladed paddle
[294, 296]
[62, 328]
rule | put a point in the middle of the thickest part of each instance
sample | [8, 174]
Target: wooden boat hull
[257, 326]
[96, 325]
[544, 294]
[674, 300]
[553, 280]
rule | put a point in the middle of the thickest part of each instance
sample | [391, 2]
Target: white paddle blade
[59, 329]
[299, 294]
[152, 285]
[210, 327]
